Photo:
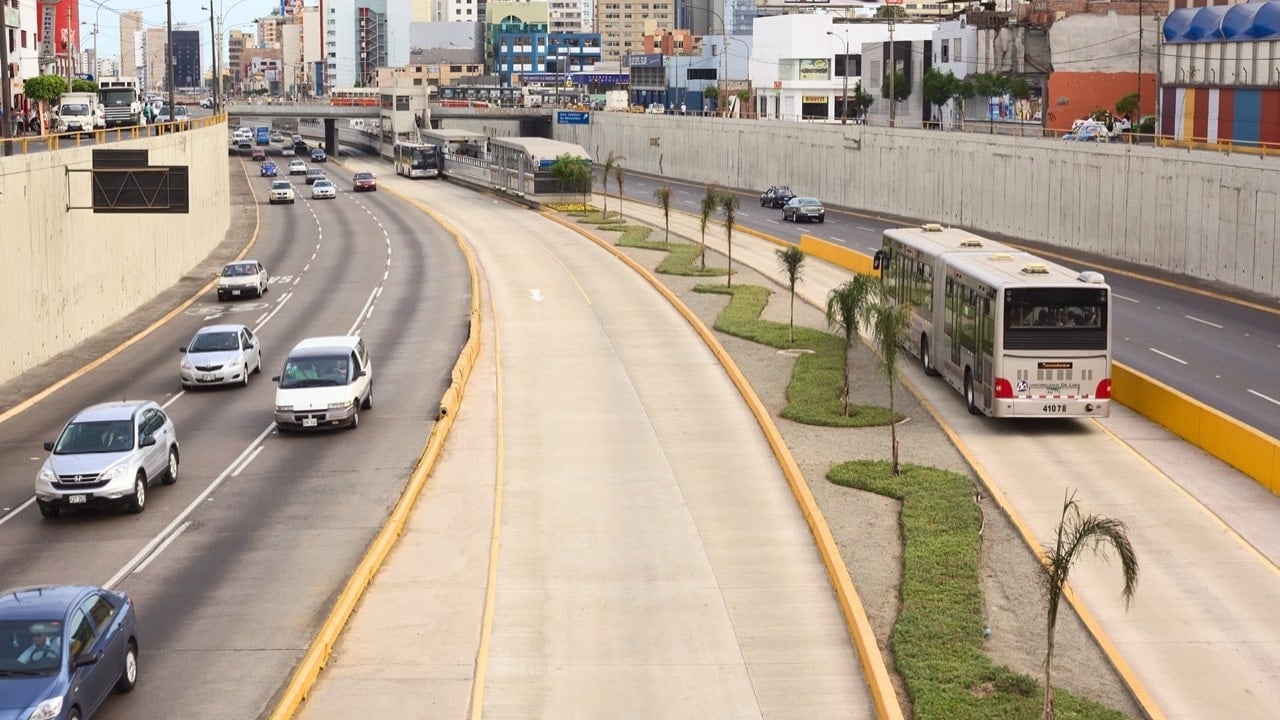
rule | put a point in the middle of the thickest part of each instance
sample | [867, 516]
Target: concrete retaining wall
[75, 272]
[1208, 215]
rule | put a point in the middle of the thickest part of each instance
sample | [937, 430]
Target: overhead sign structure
[573, 117]
[125, 182]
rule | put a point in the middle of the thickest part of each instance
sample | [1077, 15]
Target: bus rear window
[1055, 318]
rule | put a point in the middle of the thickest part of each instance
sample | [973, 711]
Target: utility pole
[844, 94]
[168, 54]
[213, 47]
[893, 71]
[6, 122]
[1139, 118]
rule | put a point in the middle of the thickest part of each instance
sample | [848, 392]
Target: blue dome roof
[1218, 23]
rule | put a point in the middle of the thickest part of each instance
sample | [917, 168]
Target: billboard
[815, 69]
[641, 60]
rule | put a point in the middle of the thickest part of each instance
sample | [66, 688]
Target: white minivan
[326, 382]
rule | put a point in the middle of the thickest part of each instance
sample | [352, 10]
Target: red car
[364, 181]
[259, 154]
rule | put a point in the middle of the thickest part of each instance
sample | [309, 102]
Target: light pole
[213, 50]
[844, 94]
[893, 70]
[168, 54]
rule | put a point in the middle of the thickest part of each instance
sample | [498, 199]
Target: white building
[362, 36]
[955, 50]
[802, 64]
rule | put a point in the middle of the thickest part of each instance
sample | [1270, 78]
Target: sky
[239, 15]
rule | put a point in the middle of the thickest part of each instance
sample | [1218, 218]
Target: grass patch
[937, 640]
[813, 395]
[681, 259]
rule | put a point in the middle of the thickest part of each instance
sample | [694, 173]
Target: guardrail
[26, 144]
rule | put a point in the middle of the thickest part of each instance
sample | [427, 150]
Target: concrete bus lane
[1201, 637]
[644, 562]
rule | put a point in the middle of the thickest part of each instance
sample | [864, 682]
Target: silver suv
[108, 455]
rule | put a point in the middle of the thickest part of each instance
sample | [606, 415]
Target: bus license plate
[1055, 408]
[77, 499]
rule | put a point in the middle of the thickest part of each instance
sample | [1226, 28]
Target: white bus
[416, 160]
[1017, 335]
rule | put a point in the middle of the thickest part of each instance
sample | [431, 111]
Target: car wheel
[49, 510]
[355, 414]
[74, 714]
[368, 401]
[171, 470]
[822, 219]
[138, 501]
[244, 379]
[968, 393]
[926, 362]
[129, 674]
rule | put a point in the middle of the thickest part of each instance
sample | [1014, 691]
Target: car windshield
[97, 436]
[315, 371]
[214, 342]
[323, 184]
[239, 269]
[30, 648]
[364, 176]
[280, 185]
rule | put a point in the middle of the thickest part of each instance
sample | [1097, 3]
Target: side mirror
[48, 445]
[86, 659]
[147, 441]
[275, 378]
[248, 346]
[362, 373]
[182, 349]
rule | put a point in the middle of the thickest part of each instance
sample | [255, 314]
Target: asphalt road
[234, 566]
[1217, 348]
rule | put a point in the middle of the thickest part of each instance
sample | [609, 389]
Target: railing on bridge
[26, 144]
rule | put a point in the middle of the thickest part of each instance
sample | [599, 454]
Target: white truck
[616, 100]
[121, 101]
[79, 112]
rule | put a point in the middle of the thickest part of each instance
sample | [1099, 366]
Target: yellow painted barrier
[1241, 446]
[837, 255]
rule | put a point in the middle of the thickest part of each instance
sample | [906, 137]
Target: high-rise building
[187, 71]
[130, 26]
[153, 45]
[362, 36]
[237, 42]
[622, 24]
[269, 30]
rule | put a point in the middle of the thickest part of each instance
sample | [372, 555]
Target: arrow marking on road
[536, 295]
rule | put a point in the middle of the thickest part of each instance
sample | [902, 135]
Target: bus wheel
[968, 392]
[925, 362]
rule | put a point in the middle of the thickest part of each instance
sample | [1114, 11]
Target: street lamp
[213, 50]
[844, 94]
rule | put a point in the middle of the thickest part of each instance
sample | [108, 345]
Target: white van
[325, 382]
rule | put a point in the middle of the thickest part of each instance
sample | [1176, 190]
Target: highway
[1214, 347]
[233, 566]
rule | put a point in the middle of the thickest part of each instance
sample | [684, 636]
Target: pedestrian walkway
[589, 545]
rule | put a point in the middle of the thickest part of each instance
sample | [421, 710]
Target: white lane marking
[775, 222]
[1203, 322]
[261, 317]
[1171, 357]
[173, 399]
[246, 462]
[1122, 297]
[186, 512]
[1253, 392]
[14, 512]
[874, 249]
[864, 227]
[839, 240]
[266, 318]
[363, 310]
[159, 549]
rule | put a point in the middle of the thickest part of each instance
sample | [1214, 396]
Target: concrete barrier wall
[1209, 215]
[76, 272]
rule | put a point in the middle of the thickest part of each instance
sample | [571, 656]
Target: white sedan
[323, 189]
[242, 278]
[220, 355]
[297, 167]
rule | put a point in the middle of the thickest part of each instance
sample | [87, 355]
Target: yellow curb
[97, 362]
[878, 682]
[317, 656]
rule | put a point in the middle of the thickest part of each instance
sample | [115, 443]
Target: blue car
[268, 169]
[63, 650]
[318, 155]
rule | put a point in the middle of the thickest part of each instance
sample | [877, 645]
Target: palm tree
[708, 206]
[663, 196]
[890, 323]
[1075, 535]
[618, 172]
[583, 179]
[729, 203]
[610, 163]
[792, 260]
[567, 169]
[845, 305]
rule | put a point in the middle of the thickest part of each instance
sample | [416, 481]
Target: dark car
[804, 208]
[364, 181]
[318, 155]
[776, 196]
[314, 174]
[300, 146]
[64, 649]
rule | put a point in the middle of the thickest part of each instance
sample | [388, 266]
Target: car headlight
[284, 408]
[46, 475]
[340, 405]
[114, 471]
[185, 364]
[48, 709]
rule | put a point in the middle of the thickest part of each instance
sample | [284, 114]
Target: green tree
[890, 323]
[610, 164]
[862, 101]
[989, 85]
[44, 89]
[1127, 105]
[938, 88]
[961, 91]
[82, 85]
[901, 87]
[728, 202]
[845, 305]
[792, 261]
[707, 207]
[1076, 534]
[663, 196]
[618, 173]
[896, 12]
[1019, 88]
[712, 93]
[570, 171]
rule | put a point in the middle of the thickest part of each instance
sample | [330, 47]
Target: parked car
[242, 278]
[323, 188]
[314, 174]
[808, 209]
[325, 382]
[207, 103]
[64, 649]
[259, 154]
[776, 196]
[318, 155]
[268, 169]
[220, 355]
[281, 192]
[1088, 131]
[297, 167]
[108, 455]
[364, 181]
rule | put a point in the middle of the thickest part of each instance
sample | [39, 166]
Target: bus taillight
[1003, 388]
[1104, 389]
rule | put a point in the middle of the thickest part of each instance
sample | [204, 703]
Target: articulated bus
[1017, 335]
[416, 160]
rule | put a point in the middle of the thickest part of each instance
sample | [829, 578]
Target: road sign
[573, 117]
